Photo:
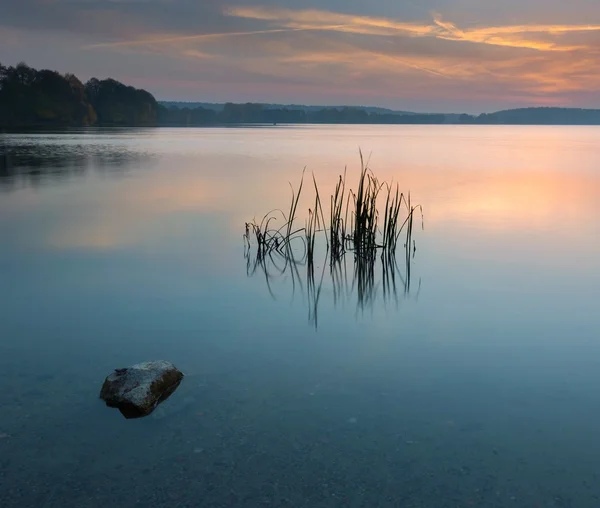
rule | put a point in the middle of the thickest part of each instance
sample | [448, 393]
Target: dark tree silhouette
[38, 98]
[45, 98]
[121, 105]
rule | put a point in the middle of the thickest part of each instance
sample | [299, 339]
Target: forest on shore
[31, 98]
[44, 98]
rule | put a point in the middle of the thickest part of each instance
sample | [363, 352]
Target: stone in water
[136, 391]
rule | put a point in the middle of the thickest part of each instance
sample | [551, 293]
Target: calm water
[473, 384]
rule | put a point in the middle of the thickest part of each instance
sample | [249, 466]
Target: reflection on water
[363, 224]
[33, 160]
[465, 374]
[352, 279]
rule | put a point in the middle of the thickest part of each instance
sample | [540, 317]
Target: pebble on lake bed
[136, 391]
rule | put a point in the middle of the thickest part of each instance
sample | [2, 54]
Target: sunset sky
[419, 55]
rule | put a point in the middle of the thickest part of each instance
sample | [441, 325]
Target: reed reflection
[352, 241]
[367, 281]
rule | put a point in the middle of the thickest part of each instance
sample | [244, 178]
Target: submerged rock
[136, 391]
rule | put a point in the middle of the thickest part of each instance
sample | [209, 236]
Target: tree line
[45, 98]
[262, 114]
[31, 98]
[252, 113]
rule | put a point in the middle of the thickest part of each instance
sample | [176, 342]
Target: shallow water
[473, 383]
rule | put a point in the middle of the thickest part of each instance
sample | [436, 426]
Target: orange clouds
[365, 56]
[511, 36]
[315, 19]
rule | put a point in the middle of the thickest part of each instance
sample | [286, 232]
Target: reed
[354, 221]
[337, 222]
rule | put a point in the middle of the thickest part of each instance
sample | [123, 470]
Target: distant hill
[251, 113]
[291, 107]
[294, 113]
[213, 106]
[541, 116]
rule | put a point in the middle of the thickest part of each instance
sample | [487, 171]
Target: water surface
[474, 386]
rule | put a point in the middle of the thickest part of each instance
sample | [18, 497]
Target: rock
[136, 391]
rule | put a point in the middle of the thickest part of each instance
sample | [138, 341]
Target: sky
[447, 56]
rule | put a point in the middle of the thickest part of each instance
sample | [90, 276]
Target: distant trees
[39, 98]
[121, 105]
[45, 98]
[542, 116]
[252, 113]
[285, 115]
[186, 117]
[31, 97]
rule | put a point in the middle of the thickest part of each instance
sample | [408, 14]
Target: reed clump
[374, 219]
[354, 222]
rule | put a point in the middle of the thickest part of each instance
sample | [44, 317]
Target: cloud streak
[511, 36]
[199, 37]
[289, 21]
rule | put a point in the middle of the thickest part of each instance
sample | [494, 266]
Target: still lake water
[475, 386]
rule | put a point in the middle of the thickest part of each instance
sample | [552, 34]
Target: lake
[470, 380]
